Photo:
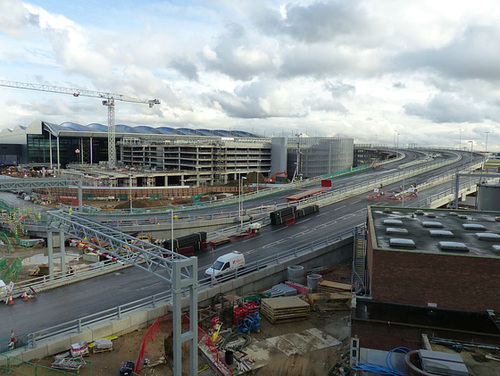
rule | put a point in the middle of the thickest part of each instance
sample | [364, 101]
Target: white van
[227, 263]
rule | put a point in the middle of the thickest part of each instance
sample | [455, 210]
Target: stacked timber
[279, 217]
[284, 309]
[306, 211]
[330, 286]
[324, 301]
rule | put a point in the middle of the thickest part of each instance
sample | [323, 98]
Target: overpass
[349, 218]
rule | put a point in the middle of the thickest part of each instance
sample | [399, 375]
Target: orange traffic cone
[25, 295]
[10, 301]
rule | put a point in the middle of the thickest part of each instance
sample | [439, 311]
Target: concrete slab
[38, 352]
[139, 318]
[58, 345]
[289, 344]
[121, 325]
[322, 339]
[85, 336]
[103, 330]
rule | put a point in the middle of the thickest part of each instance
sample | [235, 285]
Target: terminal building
[175, 156]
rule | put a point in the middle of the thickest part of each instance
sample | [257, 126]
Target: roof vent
[496, 247]
[387, 210]
[488, 236]
[442, 233]
[453, 246]
[400, 242]
[474, 226]
[393, 222]
[419, 212]
[462, 216]
[432, 224]
[431, 215]
[395, 230]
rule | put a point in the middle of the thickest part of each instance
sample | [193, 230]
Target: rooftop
[440, 231]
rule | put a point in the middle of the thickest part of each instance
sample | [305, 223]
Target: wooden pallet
[284, 309]
[329, 286]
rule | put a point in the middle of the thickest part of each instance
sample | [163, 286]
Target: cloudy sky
[420, 72]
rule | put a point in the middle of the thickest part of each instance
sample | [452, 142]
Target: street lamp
[240, 206]
[460, 140]
[171, 229]
[486, 141]
[130, 190]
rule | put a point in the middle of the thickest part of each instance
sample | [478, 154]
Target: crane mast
[108, 101]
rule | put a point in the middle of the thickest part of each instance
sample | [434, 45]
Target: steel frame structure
[15, 184]
[181, 271]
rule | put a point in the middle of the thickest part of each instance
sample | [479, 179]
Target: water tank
[296, 274]
[488, 196]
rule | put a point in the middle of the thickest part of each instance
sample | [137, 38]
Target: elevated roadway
[108, 291]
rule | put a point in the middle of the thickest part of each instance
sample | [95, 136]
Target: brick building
[433, 272]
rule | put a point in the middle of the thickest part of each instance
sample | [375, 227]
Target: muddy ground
[317, 362]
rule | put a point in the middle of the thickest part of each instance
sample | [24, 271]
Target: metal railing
[78, 325]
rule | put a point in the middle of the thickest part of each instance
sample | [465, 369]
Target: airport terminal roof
[70, 129]
[145, 130]
[463, 232]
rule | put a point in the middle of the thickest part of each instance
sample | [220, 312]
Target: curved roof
[145, 130]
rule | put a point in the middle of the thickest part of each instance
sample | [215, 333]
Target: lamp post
[171, 229]
[130, 190]
[460, 140]
[486, 148]
[240, 206]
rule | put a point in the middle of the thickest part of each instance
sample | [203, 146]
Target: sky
[412, 73]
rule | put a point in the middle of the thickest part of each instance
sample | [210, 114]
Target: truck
[225, 264]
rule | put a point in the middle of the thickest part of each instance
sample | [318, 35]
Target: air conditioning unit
[443, 363]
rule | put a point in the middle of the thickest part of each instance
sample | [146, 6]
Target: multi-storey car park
[175, 156]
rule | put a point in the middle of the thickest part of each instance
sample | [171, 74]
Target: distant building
[316, 156]
[431, 272]
[175, 156]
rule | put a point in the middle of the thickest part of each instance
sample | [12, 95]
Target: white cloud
[359, 68]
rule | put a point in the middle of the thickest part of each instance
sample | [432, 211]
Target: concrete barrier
[250, 283]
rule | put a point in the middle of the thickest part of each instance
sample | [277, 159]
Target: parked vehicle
[227, 263]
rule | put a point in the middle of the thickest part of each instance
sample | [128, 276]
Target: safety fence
[116, 313]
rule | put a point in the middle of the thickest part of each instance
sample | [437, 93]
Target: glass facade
[39, 149]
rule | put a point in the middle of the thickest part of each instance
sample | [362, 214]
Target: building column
[58, 156]
[50, 150]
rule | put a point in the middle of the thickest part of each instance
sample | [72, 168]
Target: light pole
[486, 141]
[460, 140]
[130, 189]
[240, 206]
[172, 229]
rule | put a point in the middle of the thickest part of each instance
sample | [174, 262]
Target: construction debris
[68, 364]
[284, 309]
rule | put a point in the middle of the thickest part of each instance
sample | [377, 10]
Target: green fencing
[11, 273]
[4, 236]
[10, 365]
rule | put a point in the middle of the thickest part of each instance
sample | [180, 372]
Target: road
[106, 292]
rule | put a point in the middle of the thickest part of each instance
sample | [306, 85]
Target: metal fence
[78, 325]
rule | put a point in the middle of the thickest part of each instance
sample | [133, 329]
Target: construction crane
[108, 100]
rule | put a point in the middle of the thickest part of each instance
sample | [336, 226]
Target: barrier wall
[247, 284]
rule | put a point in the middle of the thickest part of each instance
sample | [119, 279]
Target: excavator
[272, 179]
